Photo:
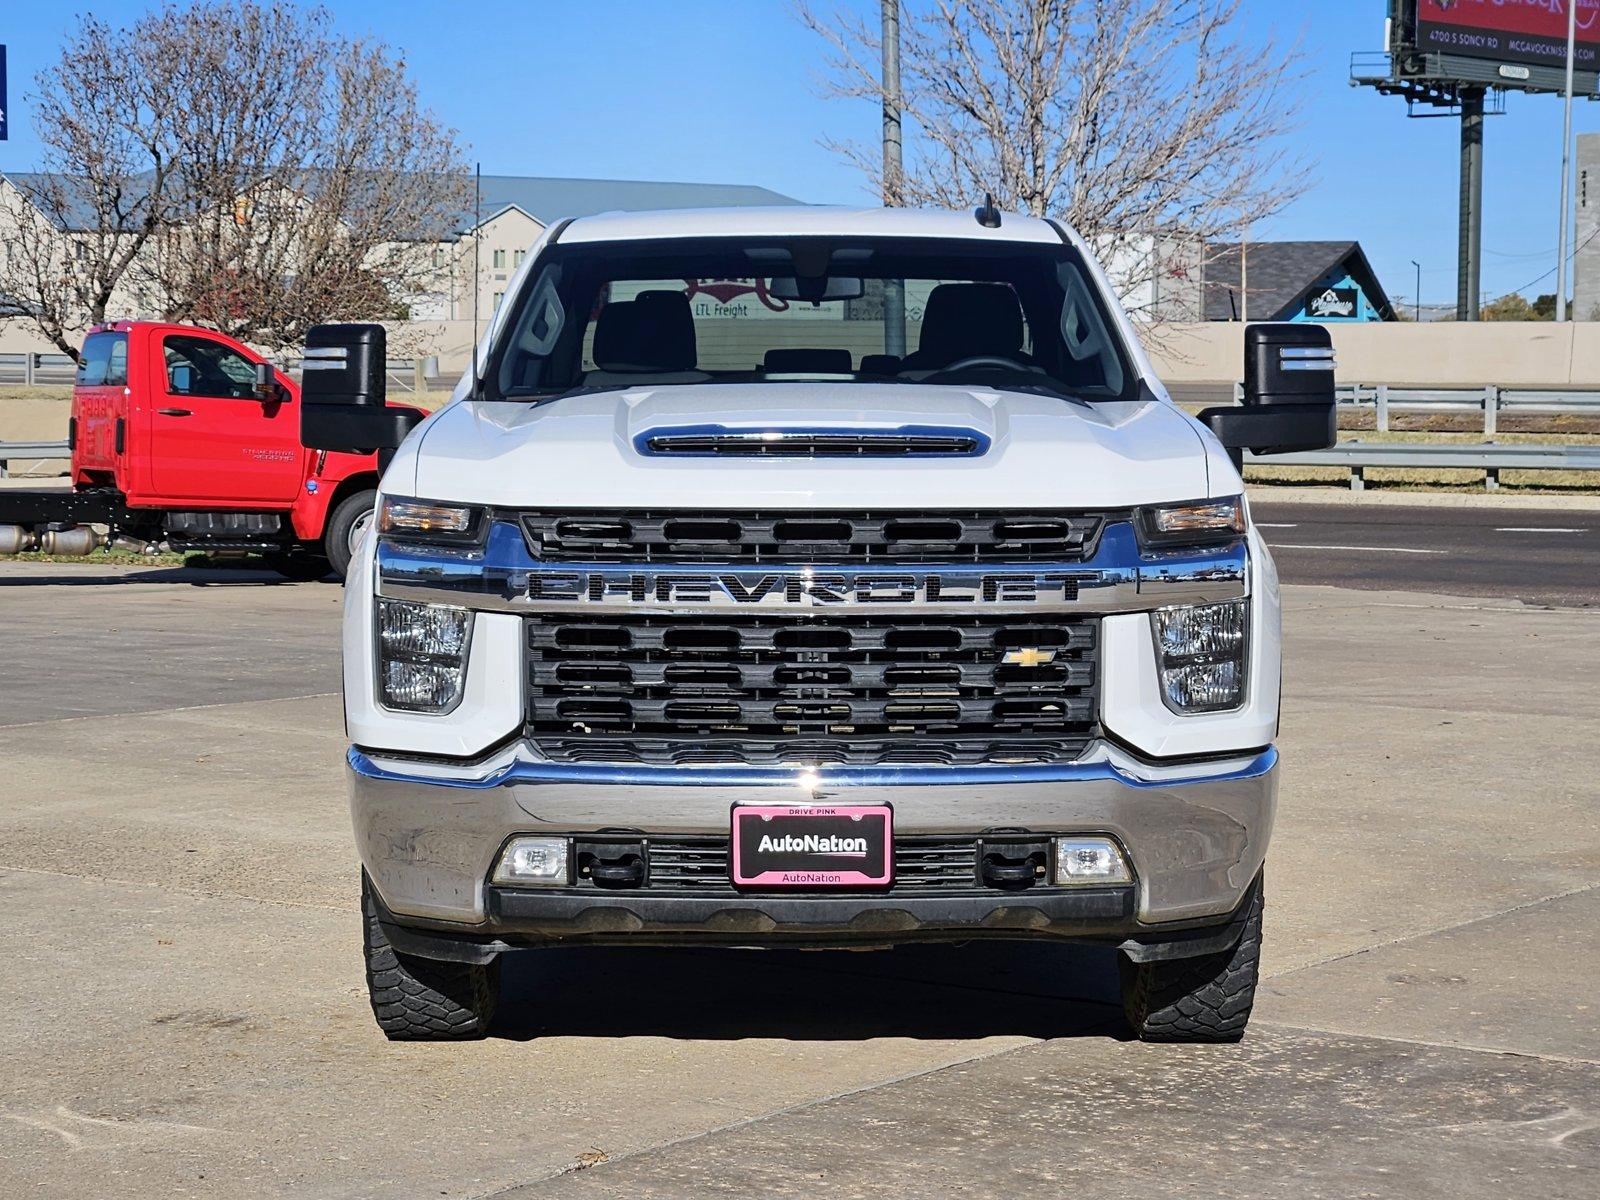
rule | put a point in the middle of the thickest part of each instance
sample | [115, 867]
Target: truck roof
[807, 220]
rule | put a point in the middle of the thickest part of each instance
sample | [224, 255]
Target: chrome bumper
[1196, 833]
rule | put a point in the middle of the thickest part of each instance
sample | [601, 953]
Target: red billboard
[1528, 32]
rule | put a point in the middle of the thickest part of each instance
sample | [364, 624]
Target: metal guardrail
[1488, 457]
[30, 452]
[1491, 401]
[30, 369]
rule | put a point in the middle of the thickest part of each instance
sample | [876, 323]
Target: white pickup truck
[813, 577]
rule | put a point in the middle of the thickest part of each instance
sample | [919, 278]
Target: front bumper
[1196, 835]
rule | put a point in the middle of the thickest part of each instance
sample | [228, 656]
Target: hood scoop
[904, 442]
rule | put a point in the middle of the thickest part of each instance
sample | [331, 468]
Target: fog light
[422, 655]
[1082, 862]
[533, 862]
[1200, 654]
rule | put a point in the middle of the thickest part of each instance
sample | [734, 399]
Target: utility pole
[1418, 296]
[1471, 232]
[1566, 165]
[894, 290]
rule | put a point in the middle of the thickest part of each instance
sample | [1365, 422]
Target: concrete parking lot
[180, 957]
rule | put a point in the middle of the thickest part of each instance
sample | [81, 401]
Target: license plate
[813, 845]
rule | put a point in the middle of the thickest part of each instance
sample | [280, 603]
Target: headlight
[1201, 655]
[422, 655]
[1193, 523]
[427, 520]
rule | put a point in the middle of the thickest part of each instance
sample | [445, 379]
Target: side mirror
[266, 382]
[1289, 395]
[180, 380]
[342, 401]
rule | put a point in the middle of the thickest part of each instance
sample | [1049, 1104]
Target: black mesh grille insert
[856, 690]
[920, 863]
[739, 538]
[815, 445]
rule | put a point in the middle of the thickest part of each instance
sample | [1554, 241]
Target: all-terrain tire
[1205, 999]
[355, 509]
[419, 999]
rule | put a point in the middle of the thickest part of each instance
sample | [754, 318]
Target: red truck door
[99, 410]
[211, 439]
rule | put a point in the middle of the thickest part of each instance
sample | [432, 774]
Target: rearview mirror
[266, 382]
[815, 289]
[342, 393]
[1289, 394]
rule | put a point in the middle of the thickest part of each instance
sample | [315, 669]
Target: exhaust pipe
[75, 542]
[14, 539]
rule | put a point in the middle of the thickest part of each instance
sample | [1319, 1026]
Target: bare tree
[288, 175]
[75, 229]
[1141, 122]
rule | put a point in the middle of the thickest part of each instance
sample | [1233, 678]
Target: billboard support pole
[1470, 269]
[1566, 165]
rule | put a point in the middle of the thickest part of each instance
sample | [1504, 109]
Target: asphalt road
[1539, 556]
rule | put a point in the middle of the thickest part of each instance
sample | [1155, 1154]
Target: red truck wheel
[346, 526]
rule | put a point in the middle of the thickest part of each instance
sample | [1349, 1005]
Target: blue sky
[722, 90]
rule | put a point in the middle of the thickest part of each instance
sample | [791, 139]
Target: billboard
[1526, 32]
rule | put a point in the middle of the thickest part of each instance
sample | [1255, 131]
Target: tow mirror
[1289, 395]
[266, 382]
[342, 401]
[180, 379]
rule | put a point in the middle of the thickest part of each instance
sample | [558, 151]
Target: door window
[201, 367]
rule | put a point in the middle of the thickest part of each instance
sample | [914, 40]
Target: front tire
[1205, 999]
[346, 522]
[419, 999]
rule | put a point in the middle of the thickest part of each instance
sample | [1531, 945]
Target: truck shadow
[194, 576]
[979, 990]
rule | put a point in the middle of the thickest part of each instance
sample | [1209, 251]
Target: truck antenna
[477, 278]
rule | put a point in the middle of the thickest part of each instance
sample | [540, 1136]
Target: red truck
[183, 436]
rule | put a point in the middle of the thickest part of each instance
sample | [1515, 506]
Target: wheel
[420, 1000]
[1205, 999]
[302, 566]
[346, 525]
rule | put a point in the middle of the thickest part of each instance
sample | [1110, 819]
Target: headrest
[880, 364]
[652, 332]
[799, 360]
[965, 319]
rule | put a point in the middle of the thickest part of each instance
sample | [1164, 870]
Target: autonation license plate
[812, 845]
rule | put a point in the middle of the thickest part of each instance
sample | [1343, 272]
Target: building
[1321, 282]
[496, 233]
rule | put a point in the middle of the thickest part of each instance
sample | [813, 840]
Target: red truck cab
[172, 418]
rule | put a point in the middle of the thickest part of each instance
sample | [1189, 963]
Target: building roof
[547, 199]
[1282, 275]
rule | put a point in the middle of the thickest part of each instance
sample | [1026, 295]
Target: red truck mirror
[342, 392]
[265, 386]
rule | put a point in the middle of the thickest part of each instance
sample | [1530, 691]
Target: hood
[592, 451]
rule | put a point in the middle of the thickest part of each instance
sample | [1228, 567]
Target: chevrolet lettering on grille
[799, 589]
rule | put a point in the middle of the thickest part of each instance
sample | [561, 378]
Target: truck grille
[920, 863]
[742, 538]
[781, 689]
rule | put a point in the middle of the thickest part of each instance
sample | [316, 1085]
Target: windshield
[839, 310]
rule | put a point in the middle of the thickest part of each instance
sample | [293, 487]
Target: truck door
[212, 440]
[98, 407]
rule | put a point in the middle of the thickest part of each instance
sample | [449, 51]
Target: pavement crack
[1469, 1047]
[1424, 933]
[162, 712]
[196, 893]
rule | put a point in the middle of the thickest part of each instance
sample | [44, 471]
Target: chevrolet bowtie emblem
[1029, 657]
